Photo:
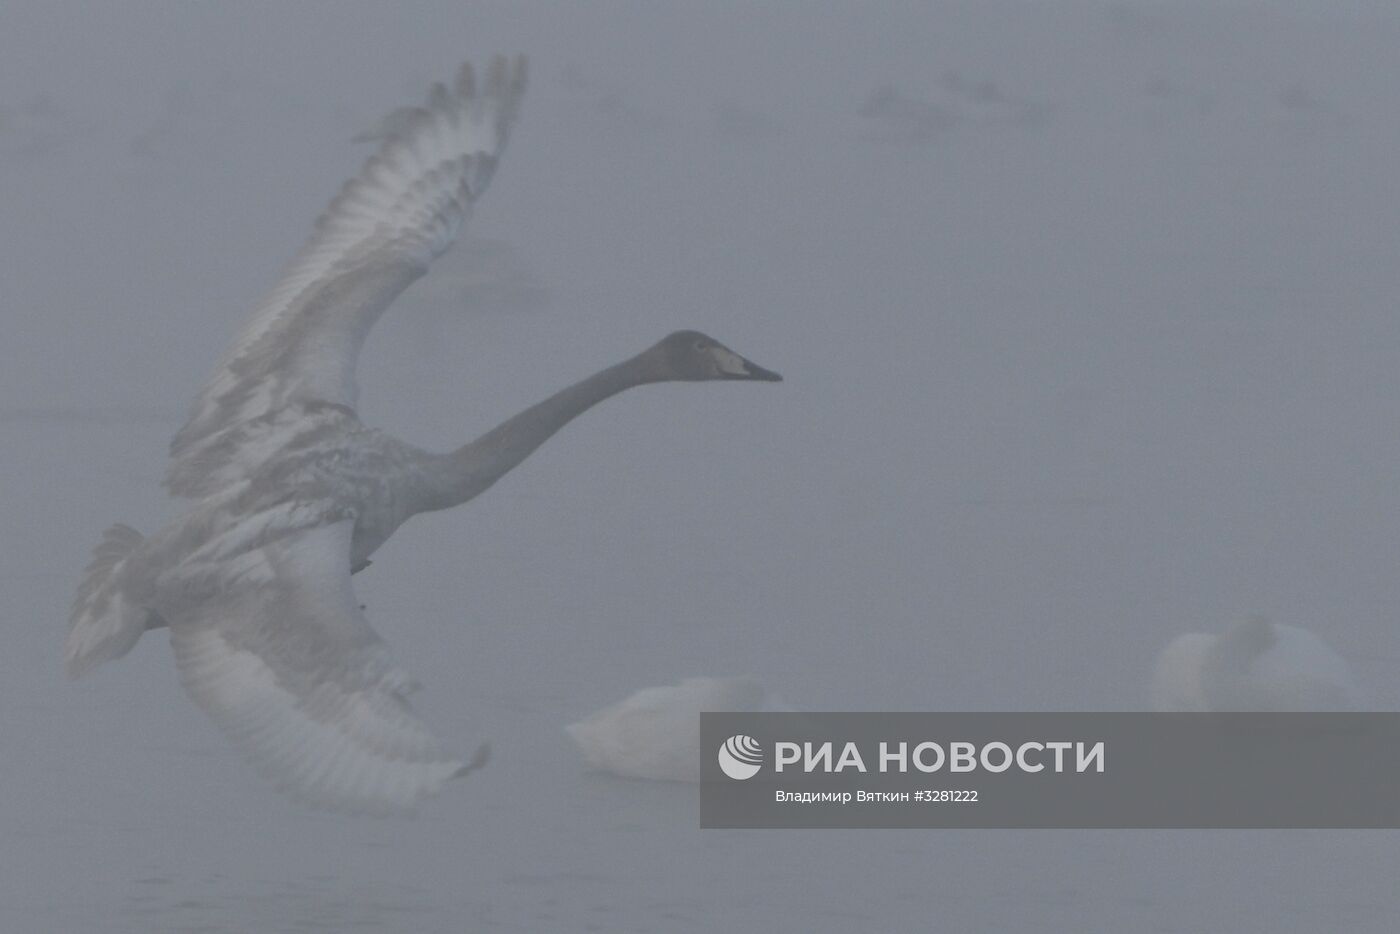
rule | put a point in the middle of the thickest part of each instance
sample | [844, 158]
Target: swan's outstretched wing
[274, 647]
[377, 236]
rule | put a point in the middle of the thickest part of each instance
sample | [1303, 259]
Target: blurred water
[1055, 393]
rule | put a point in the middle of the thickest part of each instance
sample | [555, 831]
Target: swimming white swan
[655, 733]
[1254, 665]
[292, 493]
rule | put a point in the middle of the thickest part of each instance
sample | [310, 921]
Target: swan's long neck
[472, 468]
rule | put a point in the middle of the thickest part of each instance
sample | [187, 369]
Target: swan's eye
[701, 346]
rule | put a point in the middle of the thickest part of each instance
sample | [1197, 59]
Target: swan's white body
[1252, 666]
[655, 733]
[1176, 678]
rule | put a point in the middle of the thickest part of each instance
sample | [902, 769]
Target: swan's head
[690, 355]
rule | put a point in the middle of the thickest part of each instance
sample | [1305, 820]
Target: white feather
[378, 235]
[295, 677]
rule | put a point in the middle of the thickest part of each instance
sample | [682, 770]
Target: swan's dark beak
[754, 371]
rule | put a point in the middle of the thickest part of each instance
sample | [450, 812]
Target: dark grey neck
[468, 471]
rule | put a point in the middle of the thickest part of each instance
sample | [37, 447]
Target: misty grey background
[1055, 393]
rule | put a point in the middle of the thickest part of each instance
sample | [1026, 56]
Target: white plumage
[1254, 665]
[655, 733]
[318, 706]
[378, 235]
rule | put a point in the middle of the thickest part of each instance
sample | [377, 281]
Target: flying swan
[290, 493]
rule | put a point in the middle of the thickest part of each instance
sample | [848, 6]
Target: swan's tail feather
[105, 624]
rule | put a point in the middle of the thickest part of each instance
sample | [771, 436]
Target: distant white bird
[1254, 665]
[655, 733]
[292, 493]
[896, 117]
